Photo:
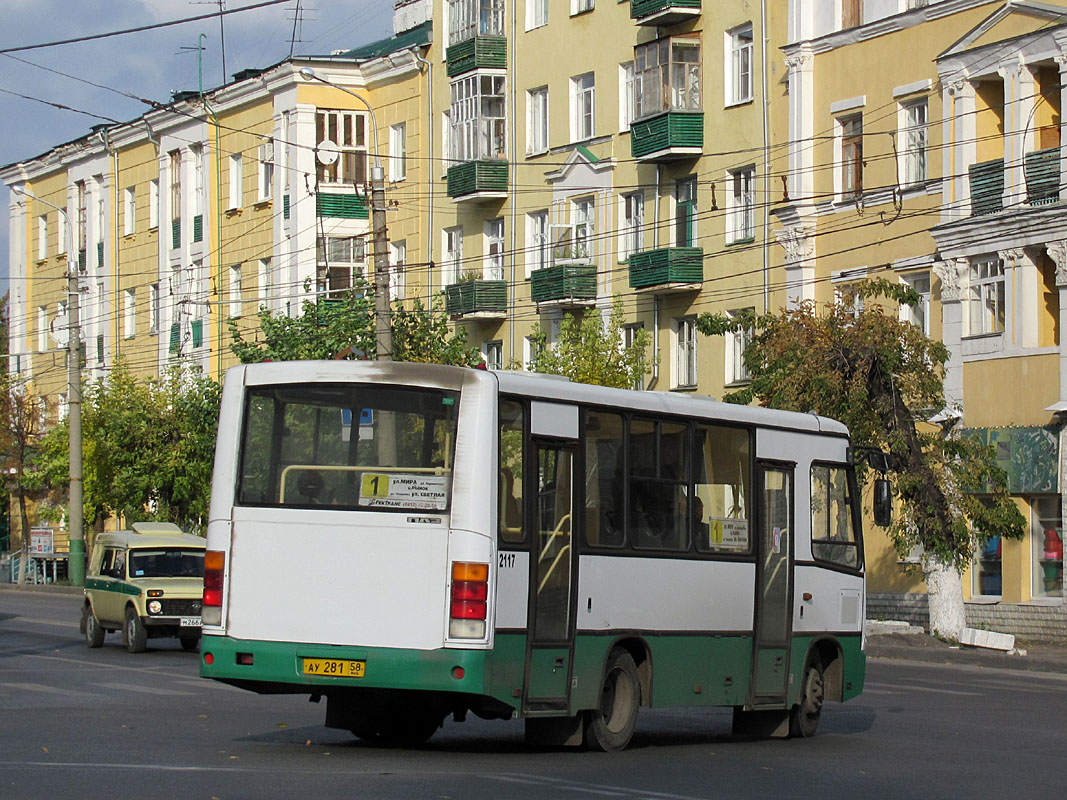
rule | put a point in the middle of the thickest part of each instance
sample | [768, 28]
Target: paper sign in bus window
[425, 492]
[728, 534]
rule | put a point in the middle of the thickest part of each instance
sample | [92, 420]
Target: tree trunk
[944, 592]
[24, 559]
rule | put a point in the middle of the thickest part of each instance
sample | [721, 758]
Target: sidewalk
[919, 646]
[48, 588]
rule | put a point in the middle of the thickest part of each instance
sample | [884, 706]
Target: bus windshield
[348, 446]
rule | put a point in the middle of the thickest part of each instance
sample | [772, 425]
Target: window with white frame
[153, 203]
[536, 14]
[583, 106]
[398, 155]
[632, 233]
[477, 114]
[581, 6]
[129, 211]
[153, 308]
[736, 344]
[235, 198]
[129, 313]
[235, 290]
[685, 352]
[537, 241]
[850, 165]
[340, 139]
[627, 90]
[739, 64]
[685, 211]
[341, 260]
[196, 152]
[918, 314]
[62, 407]
[398, 256]
[494, 249]
[42, 328]
[265, 282]
[470, 18]
[42, 237]
[60, 321]
[62, 232]
[446, 142]
[583, 216]
[630, 335]
[531, 348]
[493, 353]
[986, 296]
[174, 174]
[741, 217]
[537, 120]
[452, 255]
[265, 179]
[914, 136]
[668, 76]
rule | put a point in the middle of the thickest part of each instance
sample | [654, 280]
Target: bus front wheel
[804, 719]
[611, 724]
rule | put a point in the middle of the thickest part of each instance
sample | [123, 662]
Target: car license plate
[189, 622]
[335, 667]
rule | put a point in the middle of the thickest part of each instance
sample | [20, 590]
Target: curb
[40, 588]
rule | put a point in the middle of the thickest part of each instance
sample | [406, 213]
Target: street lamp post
[76, 563]
[382, 311]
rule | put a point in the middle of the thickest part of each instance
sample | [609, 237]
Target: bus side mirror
[883, 503]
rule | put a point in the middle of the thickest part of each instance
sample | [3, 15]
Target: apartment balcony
[341, 206]
[660, 13]
[477, 299]
[478, 180]
[564, 285]
[668, 269]
[1042, 171]
[479, 52]
[987, 187]
[668, 136]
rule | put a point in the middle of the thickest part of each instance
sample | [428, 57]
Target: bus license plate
[189, 622]
[336, 667]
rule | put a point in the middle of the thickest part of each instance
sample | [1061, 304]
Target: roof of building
[415, 37]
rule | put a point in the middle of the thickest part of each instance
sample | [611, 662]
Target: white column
[952, 272]
[1023, 279]
[960, 129]
[1061, 61]
[801, 66]
[799, 244]
[1057, 251]
[1019, 88]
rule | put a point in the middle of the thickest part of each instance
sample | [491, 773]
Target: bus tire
[407, 728]
[94, 632]
[189, 642]
[804, 718]
[611, 724]
[135, 631]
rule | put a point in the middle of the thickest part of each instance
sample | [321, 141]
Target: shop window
[1047, 535]
[987, 569]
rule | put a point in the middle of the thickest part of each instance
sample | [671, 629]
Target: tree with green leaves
[592, 350]
[884, 379]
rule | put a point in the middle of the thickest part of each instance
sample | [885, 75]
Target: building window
[494, 249]
[196, 151]
[850, 134]
[629, 339]
[851, 13]
[265, 278]
[470, 18]
[477, 115]
[452, 256]
[42, 329]
[153, 308]
[265, 179]
[667, 72]
[583, 216]
[153, 203]
[235, 290]
[536, 14]
[627, 94]
[341, 134]
[175, 175]
[493, 353]
[915, 143]
[685, 352]
[918, 314]
[537, 120]
[129, 312]
[987, 574]
[340, 262]
[632, 238]
[236, 199]
[398, 157]
[129, 211]
[581, 6]
[42, 237]
[986, 297]
[739, 65]
[583, 107]
[531, 350]
[1047, 536]
[81, 221]
[537, 241]
[685, 211]
[398, 256]
[737, 343]
[741, 219]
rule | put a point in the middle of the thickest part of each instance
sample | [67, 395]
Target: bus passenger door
[774, 579]
[552, 562]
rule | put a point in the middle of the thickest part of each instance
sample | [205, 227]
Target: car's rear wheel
[136, 633]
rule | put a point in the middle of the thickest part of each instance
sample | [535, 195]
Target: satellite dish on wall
[59, 327]
[327, 152]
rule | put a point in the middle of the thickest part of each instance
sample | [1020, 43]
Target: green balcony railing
[481, 52]
[341, 206]
[667, 265]
[640, 9]
[474, 177]
[477, 296]
[987, 187]
[666, 133]
[1042, 171]
[563, 282]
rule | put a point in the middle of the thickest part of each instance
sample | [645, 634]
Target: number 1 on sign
[375, 486]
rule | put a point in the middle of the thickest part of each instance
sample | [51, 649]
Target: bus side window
[833, 538]
[604, 480]
[722, 469]
[510, 479]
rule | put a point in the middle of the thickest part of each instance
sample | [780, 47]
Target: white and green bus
[413, 541]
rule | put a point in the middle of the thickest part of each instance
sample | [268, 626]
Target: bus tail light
[469, 601]
[211, 607]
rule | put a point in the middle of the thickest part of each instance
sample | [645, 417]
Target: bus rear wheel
[804, 718]
[611, 724]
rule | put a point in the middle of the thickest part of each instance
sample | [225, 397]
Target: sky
[148, 64]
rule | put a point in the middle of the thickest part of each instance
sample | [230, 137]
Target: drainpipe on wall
[766, 162]
[512, 178]
[655, 297]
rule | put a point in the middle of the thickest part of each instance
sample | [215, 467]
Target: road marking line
[68, 624]
[40, 687]
[127, 687]
[110, 667]
[914, 688]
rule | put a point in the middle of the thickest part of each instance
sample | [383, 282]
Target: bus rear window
[348, 446]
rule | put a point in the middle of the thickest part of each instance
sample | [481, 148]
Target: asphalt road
[80, 723]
